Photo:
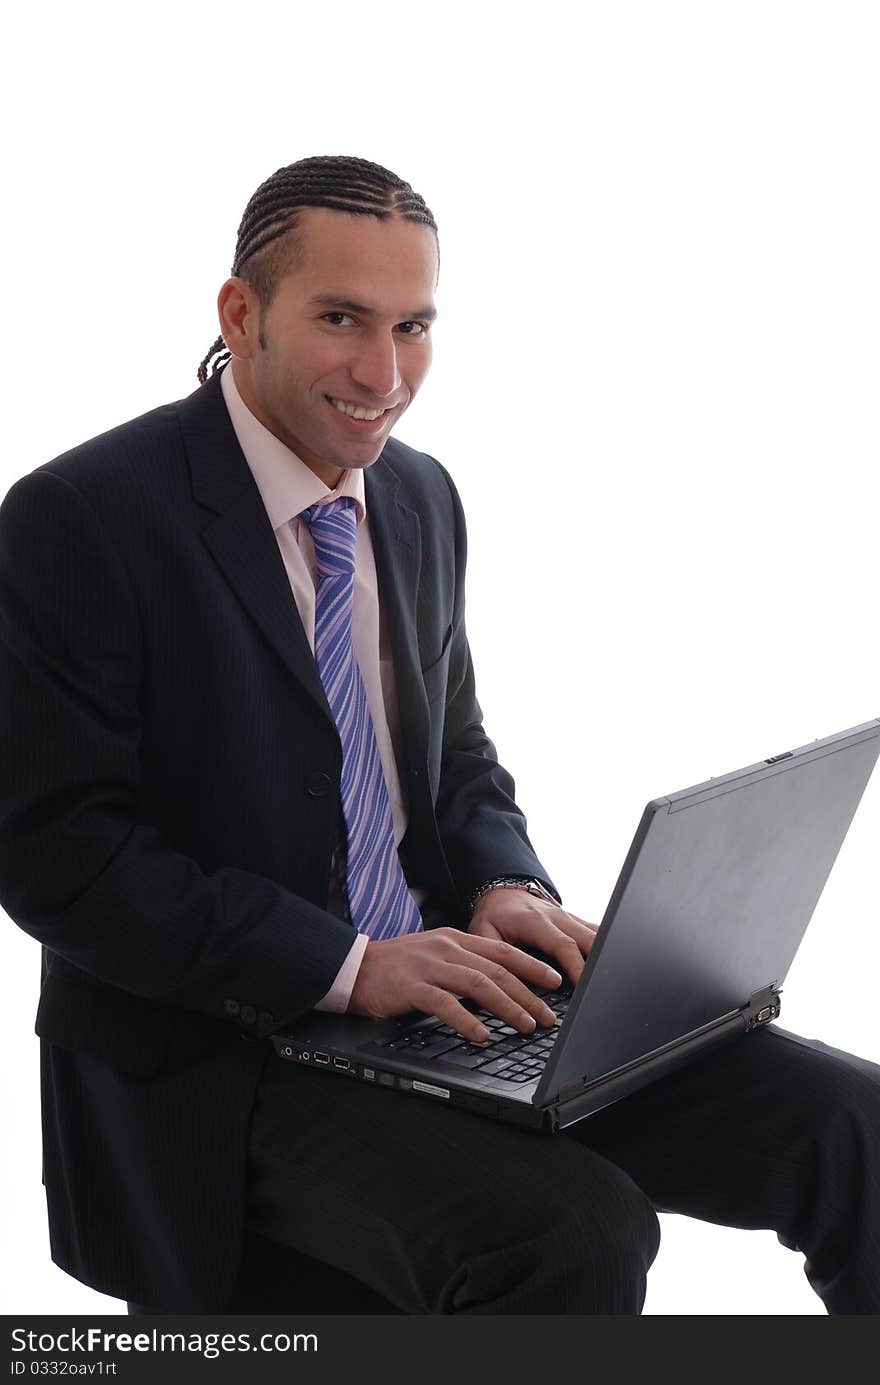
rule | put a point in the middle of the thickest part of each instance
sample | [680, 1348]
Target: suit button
[318, 784]
[231, 1007]
[248, 1014]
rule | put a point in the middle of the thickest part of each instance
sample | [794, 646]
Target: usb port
[322, 1057]
[341, 1063]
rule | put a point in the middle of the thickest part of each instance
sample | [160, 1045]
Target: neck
[330, 475]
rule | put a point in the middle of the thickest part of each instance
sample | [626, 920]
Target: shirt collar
[287, 486]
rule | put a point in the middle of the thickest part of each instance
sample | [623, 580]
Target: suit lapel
[239, 535]
[397, 545]
[243, 544]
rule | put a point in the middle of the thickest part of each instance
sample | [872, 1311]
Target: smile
[356, 410]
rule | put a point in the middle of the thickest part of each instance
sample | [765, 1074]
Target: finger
[537, 932]
[493, 988]
[534, 970]
[581, 924]
[549, 933]
[583, 933]
[433, 1000]
[564, 948]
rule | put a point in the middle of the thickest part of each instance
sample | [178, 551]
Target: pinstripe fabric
[489, 1219]
[379, 901]
[769, 1131]
[168, 849]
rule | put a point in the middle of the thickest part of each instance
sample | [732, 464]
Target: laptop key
[496, 1067]
[436, 1047]
[461, 1059]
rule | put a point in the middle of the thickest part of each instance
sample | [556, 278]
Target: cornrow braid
[263, 257]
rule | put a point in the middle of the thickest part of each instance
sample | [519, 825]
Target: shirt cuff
[339, 994]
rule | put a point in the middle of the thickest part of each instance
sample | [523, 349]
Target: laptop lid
[711, 904]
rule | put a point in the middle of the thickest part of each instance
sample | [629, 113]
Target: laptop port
[322, 1057]
[341, 1063]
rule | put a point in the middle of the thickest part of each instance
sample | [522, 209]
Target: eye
[421, 326]
[327, 317]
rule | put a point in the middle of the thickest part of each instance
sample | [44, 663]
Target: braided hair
[265, 252]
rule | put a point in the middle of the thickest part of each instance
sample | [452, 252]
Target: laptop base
[570, 1105]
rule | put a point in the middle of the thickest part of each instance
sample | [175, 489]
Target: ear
[239, 311]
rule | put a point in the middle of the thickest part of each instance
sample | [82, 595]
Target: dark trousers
[442, 1211]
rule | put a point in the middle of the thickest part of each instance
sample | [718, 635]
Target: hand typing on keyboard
[507, 1054]
[440, 971]
[540, 928]
[435, 970]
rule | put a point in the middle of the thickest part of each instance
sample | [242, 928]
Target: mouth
[359, 418]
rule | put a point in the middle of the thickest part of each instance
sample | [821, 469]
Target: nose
[374, 367]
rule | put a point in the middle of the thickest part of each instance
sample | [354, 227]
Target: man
[246, 775]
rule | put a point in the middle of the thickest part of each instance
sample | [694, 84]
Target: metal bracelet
[519, 882]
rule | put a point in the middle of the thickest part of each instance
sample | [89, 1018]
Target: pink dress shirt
[287, 487]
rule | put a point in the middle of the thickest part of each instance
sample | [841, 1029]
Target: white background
[655, 384]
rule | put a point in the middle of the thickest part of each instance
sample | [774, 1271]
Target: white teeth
[355, 411]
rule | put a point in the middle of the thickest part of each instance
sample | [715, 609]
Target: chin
[362, 462]
[363, 455]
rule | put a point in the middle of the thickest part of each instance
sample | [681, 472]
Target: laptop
[710, 907]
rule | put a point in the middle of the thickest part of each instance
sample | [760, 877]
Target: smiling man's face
[349, 325]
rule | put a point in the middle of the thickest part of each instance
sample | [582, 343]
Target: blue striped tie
[379, 901]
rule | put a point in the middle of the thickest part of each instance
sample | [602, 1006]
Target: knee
[611, 1238]
[841, 1107]
[592, 1255]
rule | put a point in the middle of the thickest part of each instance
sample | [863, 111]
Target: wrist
[530, 883]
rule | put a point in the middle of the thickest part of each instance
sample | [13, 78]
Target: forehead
[354, 255]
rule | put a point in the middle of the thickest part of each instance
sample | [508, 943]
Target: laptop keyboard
[508, 1054]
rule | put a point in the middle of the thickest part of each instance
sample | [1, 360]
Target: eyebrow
[326, 300]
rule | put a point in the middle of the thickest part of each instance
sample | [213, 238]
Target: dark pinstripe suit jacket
[168, 803]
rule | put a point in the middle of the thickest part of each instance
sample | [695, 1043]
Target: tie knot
[333, 528]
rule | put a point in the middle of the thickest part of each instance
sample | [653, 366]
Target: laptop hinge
[763, 1006]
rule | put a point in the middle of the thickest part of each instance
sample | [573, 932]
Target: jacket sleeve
[482, 829]
[79, 869]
